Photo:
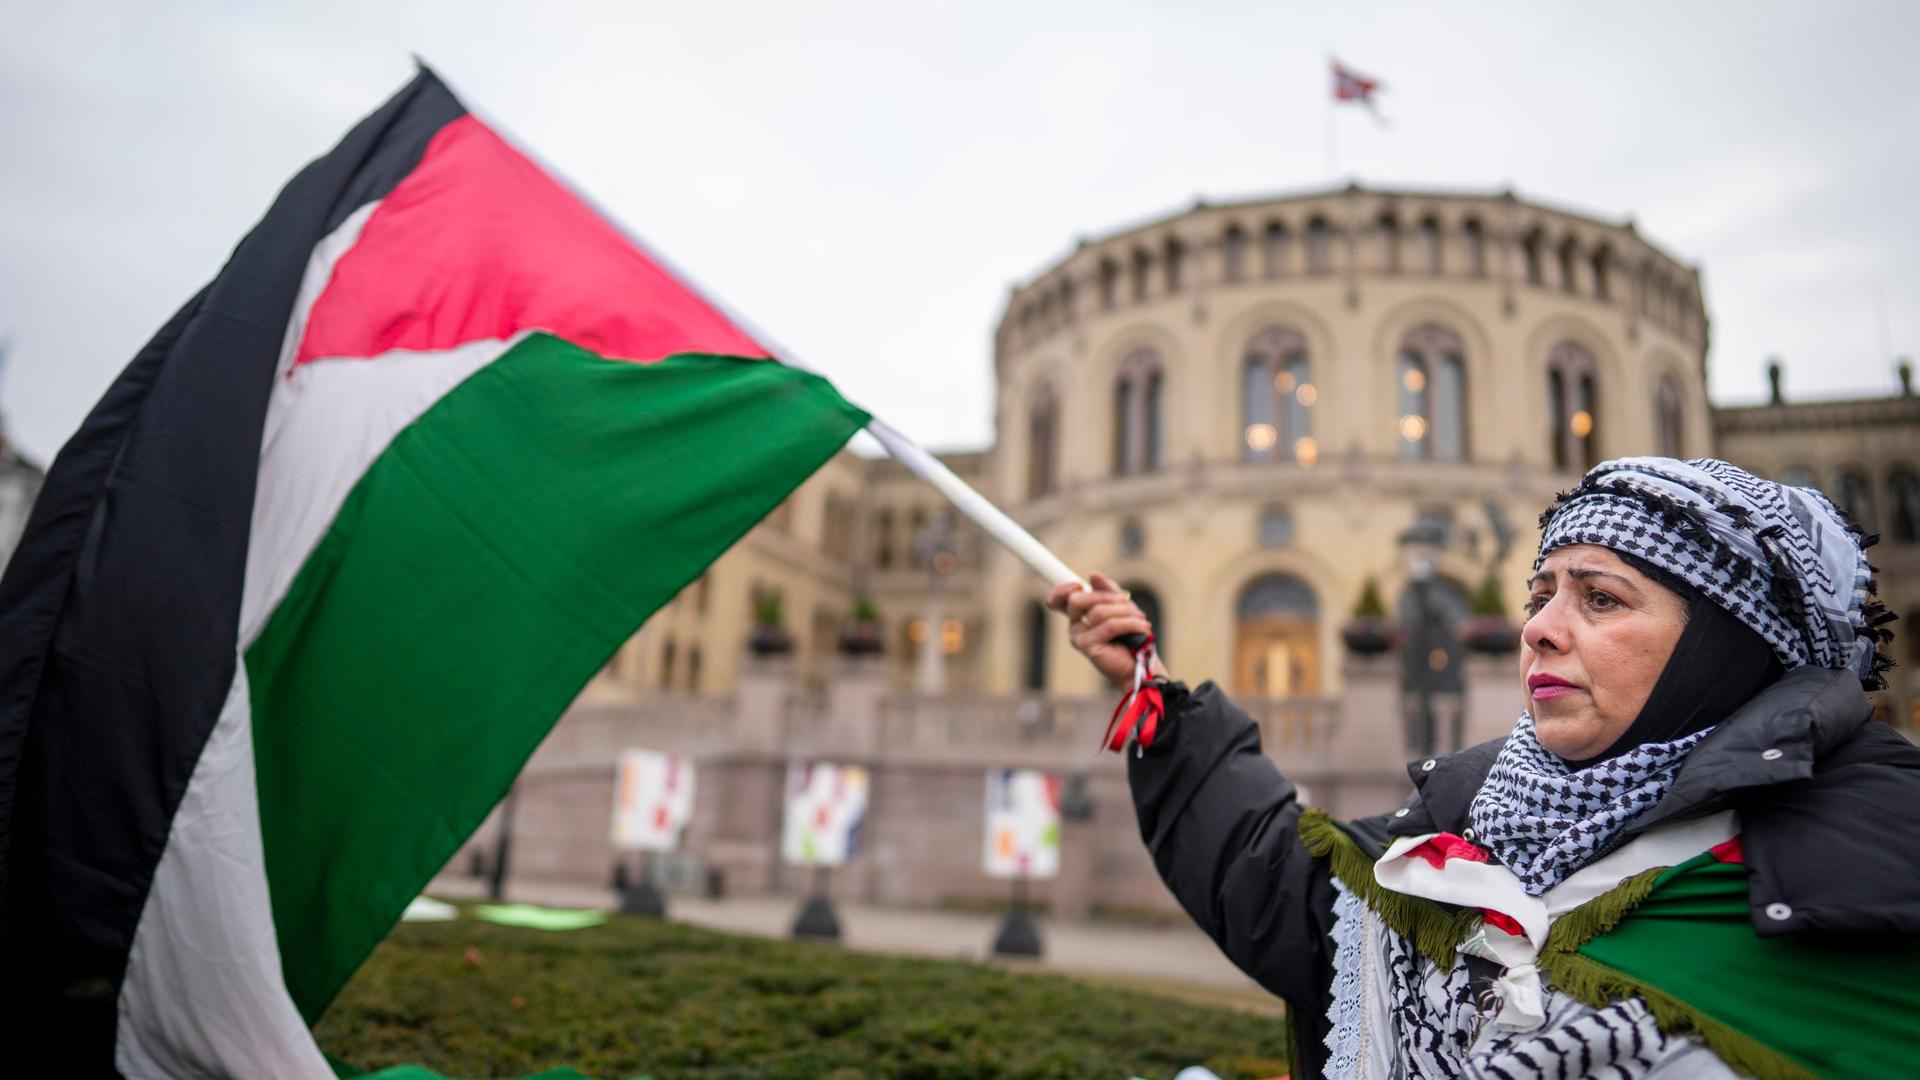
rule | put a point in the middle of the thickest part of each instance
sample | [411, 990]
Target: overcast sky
[864, 182]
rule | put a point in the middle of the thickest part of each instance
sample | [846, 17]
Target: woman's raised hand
[1098, 613]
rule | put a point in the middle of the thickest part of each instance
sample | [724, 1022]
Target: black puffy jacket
[1830, 827]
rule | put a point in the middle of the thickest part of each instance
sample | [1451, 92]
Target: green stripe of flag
[482, 570]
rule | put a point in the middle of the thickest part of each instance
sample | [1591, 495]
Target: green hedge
[637, 997]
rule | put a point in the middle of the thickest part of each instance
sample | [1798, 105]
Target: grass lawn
[637, 997]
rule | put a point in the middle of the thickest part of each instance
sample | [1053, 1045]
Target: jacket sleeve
[1222, 826]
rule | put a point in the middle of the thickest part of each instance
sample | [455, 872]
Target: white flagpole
[974, 505]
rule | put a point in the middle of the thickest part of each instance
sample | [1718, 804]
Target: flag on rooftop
[1350, 85]
[323, 567]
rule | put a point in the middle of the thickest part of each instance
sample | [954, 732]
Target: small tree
[1491, 629]
[1370, 606]
[769, 636]
[1488, 600]
[1367, 633]
[860, 634]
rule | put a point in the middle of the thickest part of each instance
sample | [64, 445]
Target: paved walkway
[1176, 960]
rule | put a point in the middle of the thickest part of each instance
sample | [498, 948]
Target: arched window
[1148, 602]
[1476, 240]
[1038, 629]
[1530, 251]
[1569, 263]
[1233, 255]
[693, 669]
[1903, 485]
[1669, 411]
[1277, 399]
[1853, 492]
[1603, 275]
[1137, 392]
[1799, 476]
[1389, 244]
[666, 665]
[1043, 422]
[1276, 250]
[1176, 260]
[1277, 637]
[1319, 246]
[1109, 284]
[1433, 395]
[1573, 406]
[1142, 270]
[1430, 253]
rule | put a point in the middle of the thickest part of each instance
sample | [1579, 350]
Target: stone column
[1372, 732]
[853, 710]
[1070, 893]
[853, 701]
[760, 702]
[1493, 700]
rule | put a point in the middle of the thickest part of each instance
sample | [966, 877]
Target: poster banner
[1023, 824]
[652, 800]
[826, 807]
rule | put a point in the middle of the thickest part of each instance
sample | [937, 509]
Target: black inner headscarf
[1717, 665]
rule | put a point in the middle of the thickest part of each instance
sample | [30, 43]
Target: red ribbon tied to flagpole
[1141, 709]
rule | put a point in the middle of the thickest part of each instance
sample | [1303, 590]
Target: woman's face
[1598, 635]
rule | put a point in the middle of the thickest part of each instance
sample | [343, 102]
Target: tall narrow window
[1042, 422]
[1155, 438]
[1574, 395]
[1066, 301]
[1475, 237]
[1432, 387]
[1903, 484]
[1233, 255]
[1176, 259]
[1142, 270]
[917, 538]
[1137, 391]
[1670, 416]
[1569, 261]
[1603, 275]
[1038, 629]
[1530, 253]
[693, 669]
[1430, 254]
[1278, 398]
[1109, 284]
[1148, 602]
[1319, 247]
[666, 665]
[1276, 250]
[1854, 494]
[1389, 244]
[883, 538]
[1557, 416]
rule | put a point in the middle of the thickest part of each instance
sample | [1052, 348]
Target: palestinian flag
[323, 567]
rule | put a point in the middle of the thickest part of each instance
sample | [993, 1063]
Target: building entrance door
[1277, 657]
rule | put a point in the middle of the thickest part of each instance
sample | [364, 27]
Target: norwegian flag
[1350, 85]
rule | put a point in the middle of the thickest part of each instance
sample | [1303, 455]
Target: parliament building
[1252, 414]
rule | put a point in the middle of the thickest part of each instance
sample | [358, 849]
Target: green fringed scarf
[1682, 940]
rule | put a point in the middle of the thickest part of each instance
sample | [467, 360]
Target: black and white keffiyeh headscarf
[1784, 561]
